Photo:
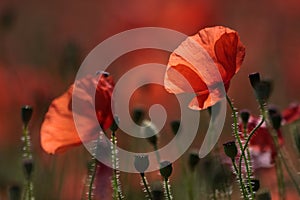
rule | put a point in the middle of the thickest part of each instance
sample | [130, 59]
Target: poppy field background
[42, 45]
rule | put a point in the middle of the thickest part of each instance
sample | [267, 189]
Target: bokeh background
[42, 44]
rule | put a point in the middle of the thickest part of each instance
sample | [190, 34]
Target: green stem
[167, 187]
[93, 175]
[279, 171]
[157, 154]
[236, 135]
[240, 179]
[248, 165]
[116, 192]
[146, 186]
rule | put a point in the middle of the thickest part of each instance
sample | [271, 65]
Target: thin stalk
[156, 153]
[167, 188]
[236, 135]
[92, 179]
[240, 179]
[116, 188]
[146, 185]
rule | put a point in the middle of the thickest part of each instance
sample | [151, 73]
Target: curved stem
[236, 135]
[146, 186]
[240, 179]
[93, 175]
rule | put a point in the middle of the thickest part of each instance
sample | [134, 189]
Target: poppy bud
[141, 163]
[157, 191]
[263, 90]
[114, 127]
[276, 121]
[297, 140]
[7, 18]
[193, 160]
[28, 167]
[103, 73]
[175, 126]
[166, 169]
[255, 185]
[230, 149]
[138, 115]
[245, 115]
[14, 192]
[254, 79]
[265, 195]
[26, 113]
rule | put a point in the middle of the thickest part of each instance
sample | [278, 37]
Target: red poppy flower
[222, 49]
[58, 130]
[261, 141]
[292, 113]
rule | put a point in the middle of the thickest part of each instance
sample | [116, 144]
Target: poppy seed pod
[230, 149]
[141, 163]
[166, 169]
[175, 126]
[193, 160]
[245, 115]
[26, 113]
[254, 79]
[28, 167]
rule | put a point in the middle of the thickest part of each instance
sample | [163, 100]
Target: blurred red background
[42, 44]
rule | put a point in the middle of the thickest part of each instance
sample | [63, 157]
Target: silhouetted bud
[265, 195]
[263, 90]
[245, 115]
[254, 79]
[166, 169]
[230, 149]
[175, 126]
[114, 127]
[276, 121]
[26, 113]
[28, 167]
[297, 140]
[138, 115]
[193, 160]
[255, 185]
[14, 192]
[141, 163]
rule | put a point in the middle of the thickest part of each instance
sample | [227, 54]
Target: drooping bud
[230, 149]
[166, 169]
[175, 126]
[264, 195]
[26, 113]
[193, 160]
[141, 163]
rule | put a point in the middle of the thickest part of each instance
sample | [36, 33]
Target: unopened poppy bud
[141, 163]
[193, 160]
[114, 127]
[103, 73]
[166, 169]
[276, 121]
[14, 192]
[157, 191]
[297, 140]
[263, 90]
[175, 126]
[26, 113]
[255, 185]
[230, 149]
[28, 167]
[265, 195]
[254, 79]
[245, 115]
[138, 115]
